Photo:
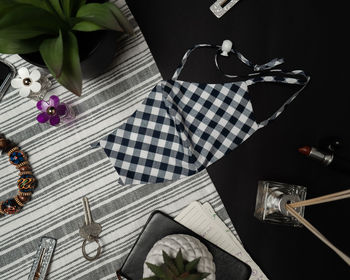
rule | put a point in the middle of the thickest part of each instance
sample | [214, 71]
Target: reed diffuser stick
[317, 233]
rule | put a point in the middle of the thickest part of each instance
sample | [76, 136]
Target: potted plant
[179, 257]
[61, 34]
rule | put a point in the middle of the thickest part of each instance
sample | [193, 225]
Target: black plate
[160, 225]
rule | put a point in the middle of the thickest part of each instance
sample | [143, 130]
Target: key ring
[98, 253]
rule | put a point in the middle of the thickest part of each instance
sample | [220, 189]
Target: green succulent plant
[176, 269]
[50, 27]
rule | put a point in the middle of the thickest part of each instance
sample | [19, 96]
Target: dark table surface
[310, 36]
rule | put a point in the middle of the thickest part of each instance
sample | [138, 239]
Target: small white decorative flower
[27, 82]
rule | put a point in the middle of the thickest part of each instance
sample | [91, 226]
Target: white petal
[35, 75]
[17, 83]
[35, 87]
[24, 91]
[23, 72]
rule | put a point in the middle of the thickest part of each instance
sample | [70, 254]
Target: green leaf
[19, 46]
[71, 77]
[125, 24]
[70, 7]
[169, 262]
[36, 3]
[66, 7]
[100, 15]
[157, 270]
[87, 26]
[192, 266]
[49, 6]
[179, 261]
[5, 6]
[57, 8]
[26, 21]
[42, 4]
[204, 275]
[167, 272]
[51, 51]
[166, 257]
[76, 6]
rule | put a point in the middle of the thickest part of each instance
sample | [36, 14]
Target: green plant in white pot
[51, 28]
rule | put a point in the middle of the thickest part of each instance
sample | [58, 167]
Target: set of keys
[90, 231]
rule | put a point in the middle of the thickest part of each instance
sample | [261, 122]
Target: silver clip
[220, 7]
[42, 259]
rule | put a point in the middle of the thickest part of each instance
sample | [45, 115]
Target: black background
[309, 35]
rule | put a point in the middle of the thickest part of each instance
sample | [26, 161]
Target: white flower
[26, 81]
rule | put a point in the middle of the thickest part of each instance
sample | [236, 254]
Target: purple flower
[51, 110]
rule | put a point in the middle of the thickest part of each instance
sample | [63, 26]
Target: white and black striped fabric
[67, 169]
[183, 127]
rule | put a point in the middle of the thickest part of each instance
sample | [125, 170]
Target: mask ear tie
[227, 48]
[271, 64]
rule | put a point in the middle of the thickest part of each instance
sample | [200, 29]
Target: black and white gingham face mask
[183, 127]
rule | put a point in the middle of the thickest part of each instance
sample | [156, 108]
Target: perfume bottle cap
[272, 199]
[286, 199]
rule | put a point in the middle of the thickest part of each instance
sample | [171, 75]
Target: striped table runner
[68, 169]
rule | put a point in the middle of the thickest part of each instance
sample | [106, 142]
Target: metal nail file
[221, 7]
[42, 258]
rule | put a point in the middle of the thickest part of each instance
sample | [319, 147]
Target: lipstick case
[271, 200]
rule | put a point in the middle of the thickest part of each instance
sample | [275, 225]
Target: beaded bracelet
[26, 182]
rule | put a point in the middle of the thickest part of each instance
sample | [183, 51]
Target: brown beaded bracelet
[26, 182]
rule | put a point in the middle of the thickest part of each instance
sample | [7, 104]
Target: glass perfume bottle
[271, 200]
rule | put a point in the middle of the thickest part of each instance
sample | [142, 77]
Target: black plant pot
[96, 51]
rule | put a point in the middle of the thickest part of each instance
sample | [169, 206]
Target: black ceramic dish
[160, 225]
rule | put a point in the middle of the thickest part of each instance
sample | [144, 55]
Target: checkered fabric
[183, 127]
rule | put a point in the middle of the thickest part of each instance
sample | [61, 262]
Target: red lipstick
[305, 150]
[327, 158]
